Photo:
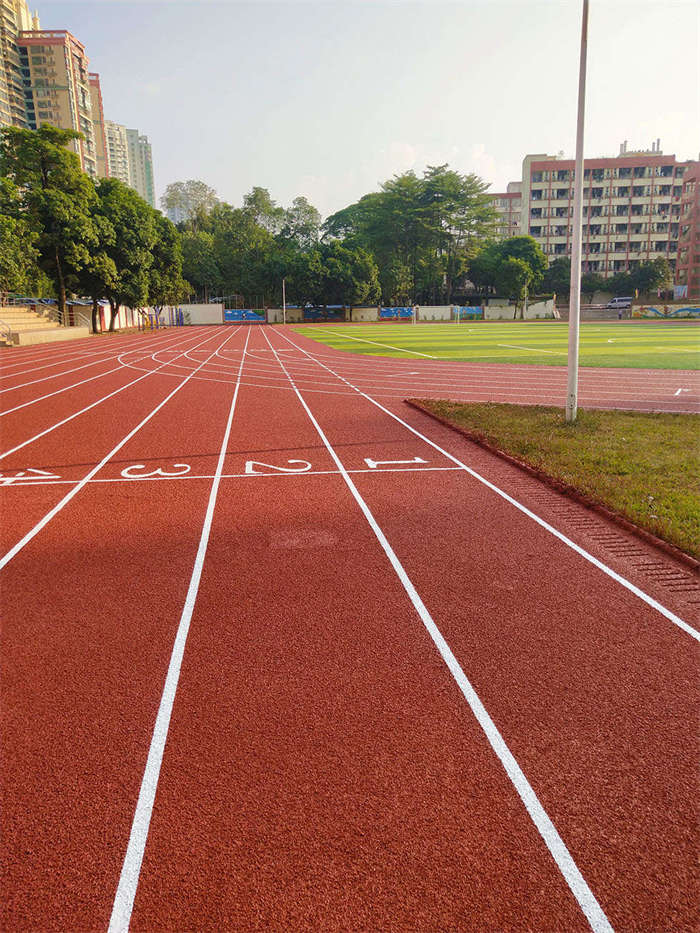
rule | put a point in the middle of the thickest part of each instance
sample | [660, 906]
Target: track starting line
[53, 479]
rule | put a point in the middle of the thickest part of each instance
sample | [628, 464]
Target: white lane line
[6, 374]
[95, 362]
[377, 344]
[131, 869]
[627, 584]
[93, 404]
[560, 853]
[88, 476]
[7, 481]
[513, 346]
[41, 398]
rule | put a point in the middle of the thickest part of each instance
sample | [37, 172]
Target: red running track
[252, 678]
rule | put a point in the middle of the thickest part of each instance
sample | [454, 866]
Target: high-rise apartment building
[117, 151]
[688, 261]
[508, 205]
[14, 18]
[57, 88]
[98, 125]
[130, 160]
[631, 207]
[141, 165]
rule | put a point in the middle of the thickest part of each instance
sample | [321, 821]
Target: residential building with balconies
[98, 126]
[508, 205]
[631, 207]
[14, 18]
[57, 90]
[688, 260]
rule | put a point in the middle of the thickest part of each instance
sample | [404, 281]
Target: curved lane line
[104, 398]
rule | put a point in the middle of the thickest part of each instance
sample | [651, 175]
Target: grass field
[662, 345]
[644, 466]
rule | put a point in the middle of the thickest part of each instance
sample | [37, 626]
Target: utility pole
[575, 282]
[284, 303]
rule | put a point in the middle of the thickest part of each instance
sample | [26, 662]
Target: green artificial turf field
[662, 345]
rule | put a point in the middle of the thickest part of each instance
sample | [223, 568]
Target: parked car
[619, 303]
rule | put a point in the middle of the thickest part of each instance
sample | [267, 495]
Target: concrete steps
[21, 326]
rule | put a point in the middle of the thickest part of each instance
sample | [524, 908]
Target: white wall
[505, 312]
[274, 315]
[203, 313]
[435, 312]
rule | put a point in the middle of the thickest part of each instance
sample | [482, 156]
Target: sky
[329, 99]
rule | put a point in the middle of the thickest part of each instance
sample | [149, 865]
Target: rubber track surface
[322, 768]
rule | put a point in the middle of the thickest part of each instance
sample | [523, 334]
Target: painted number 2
[251, 466]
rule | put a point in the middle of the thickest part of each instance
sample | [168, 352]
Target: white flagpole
[575, 289]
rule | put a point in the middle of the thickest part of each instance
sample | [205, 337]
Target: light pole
[575, 282]
[284, 303]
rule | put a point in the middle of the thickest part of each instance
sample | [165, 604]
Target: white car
[619, 303]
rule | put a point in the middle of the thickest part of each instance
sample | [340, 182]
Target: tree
[199, 265]
[99, 275]
[513, 278]
[483, 268]
[514, 267]
[57, 200]
[165, 283]
[591, 283]
[557, 278]
[652, 274]
[349, 275]
[301, 224]
[259, 206]
[621, 283]
[191, 201]
[17, 251]
[422, 232]
[135, 236]
[530, 251]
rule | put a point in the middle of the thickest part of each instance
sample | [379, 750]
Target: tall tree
[421, 231]
[135, 236]
[513, 278]
[652, 274]
[166, 285]
[199, 265]
[492, 267]
[260, 207]
[557, 277]
[301, 224]
[192, 200]
[17, 251]
[57, 200]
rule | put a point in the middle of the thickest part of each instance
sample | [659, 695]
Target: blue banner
[395, 314]
[468, 312]
[236, 315]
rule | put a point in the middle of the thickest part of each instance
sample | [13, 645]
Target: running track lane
[345, 784]
[31, 387]
[595, 691]
[276, 425]
[83, 664]
[640, 389]
[70, 450]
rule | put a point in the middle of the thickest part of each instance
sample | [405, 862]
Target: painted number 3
[134, 471]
